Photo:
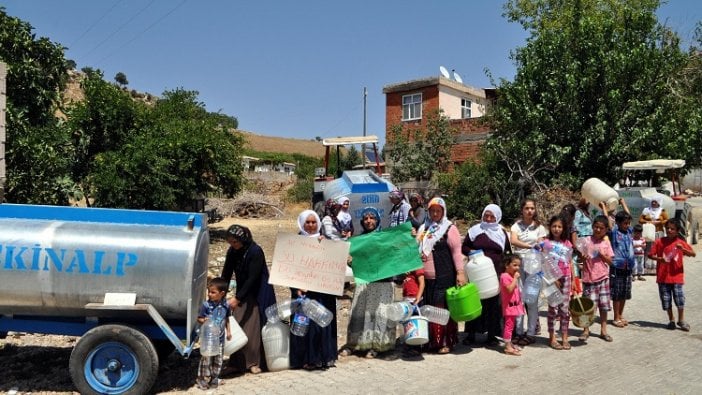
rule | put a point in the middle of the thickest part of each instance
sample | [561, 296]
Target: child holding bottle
[668, 252]
[598, 257]
[558, 246]
[214, 308]
[511, 299]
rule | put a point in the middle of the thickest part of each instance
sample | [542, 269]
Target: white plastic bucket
[416, 331]
[238, 339]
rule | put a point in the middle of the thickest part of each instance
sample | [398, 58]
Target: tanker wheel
[113, 359]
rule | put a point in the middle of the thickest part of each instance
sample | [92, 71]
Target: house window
[412, 107]
[465, 108]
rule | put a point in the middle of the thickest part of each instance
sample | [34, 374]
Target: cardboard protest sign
[307, 263]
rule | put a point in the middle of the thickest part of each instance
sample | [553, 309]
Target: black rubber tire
[128, 339]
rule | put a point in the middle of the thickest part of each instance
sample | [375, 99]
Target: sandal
[583, 337]
[345, 352]
[566, 345]
[671, 325]
[556, 345]
[255, 370]
[371, 354]
[684, 326]
[606, 338]
[512, 352]
[444, 350]
[618, 323]
[525, 340]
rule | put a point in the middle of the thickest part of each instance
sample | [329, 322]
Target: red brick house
[408, 103]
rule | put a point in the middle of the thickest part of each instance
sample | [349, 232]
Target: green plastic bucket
[464, 302]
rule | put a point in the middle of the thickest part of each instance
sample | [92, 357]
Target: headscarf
[492, 230]
[655, 213]
[375, 213]
[397, 194]
[302, 218]
[240, 233]
[417, 197]
[344, 216]
[331, 210]
[430, 232]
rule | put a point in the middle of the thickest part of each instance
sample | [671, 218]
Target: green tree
[419, 153]
[121, 79]
[36, 165]
[101, 122]
[592, 90]
[351, 159]
[180, 152]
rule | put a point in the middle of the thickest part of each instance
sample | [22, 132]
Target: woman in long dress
[489, 237]
[246, 260]
[317, 349]
[440, 247]
[368, 329]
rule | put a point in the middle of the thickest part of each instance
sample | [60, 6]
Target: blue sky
[291, 68]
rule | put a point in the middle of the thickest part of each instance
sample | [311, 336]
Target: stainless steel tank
[55, 260]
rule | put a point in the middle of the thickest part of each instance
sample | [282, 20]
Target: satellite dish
[444, 72]
[457, 77]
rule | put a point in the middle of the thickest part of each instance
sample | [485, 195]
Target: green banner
[383, 254]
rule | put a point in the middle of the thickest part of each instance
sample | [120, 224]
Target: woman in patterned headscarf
[440, 248]
[246, 260]
[331, 226]
[489, 237]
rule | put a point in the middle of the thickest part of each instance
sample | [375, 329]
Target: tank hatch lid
[334, 141]
[365, 181]
[655, 164]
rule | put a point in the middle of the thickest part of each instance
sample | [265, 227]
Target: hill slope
[284, 145]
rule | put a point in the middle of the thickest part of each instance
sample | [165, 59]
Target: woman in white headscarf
[489, 237]
[344, 217]
[317, 349]
[440, 248]
[655, 214]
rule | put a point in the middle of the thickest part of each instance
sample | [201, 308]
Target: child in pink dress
[511, 297]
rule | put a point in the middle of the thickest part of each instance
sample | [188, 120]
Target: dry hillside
[283, 145]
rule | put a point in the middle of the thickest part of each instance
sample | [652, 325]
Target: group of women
[369, 332]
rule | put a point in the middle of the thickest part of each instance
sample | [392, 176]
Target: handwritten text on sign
[306, 263]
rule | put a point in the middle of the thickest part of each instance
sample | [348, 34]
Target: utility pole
[3, 132]
[363, 146]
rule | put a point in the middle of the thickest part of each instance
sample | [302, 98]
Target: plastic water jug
[464, 302]
[434, 314]
[532, 261]
[550, 269]
[596, 191]
[300, 324]
[481, 272]
[399, 311]
[532, 288]
[238, 339]
[649, 232]
[316, 312]
[554, 296]
[210, 344]
[280, 311]
[276, 345]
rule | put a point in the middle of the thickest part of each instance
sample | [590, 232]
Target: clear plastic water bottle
[210, 342]
[554, 296]
[435, 314]
[280, 311]
[317, 312]
[532, 288]
[400, 311]
[300, 324]
[532, 261]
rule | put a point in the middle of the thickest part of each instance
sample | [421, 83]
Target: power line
[96, 22]
[121, 27]
[143, 31]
